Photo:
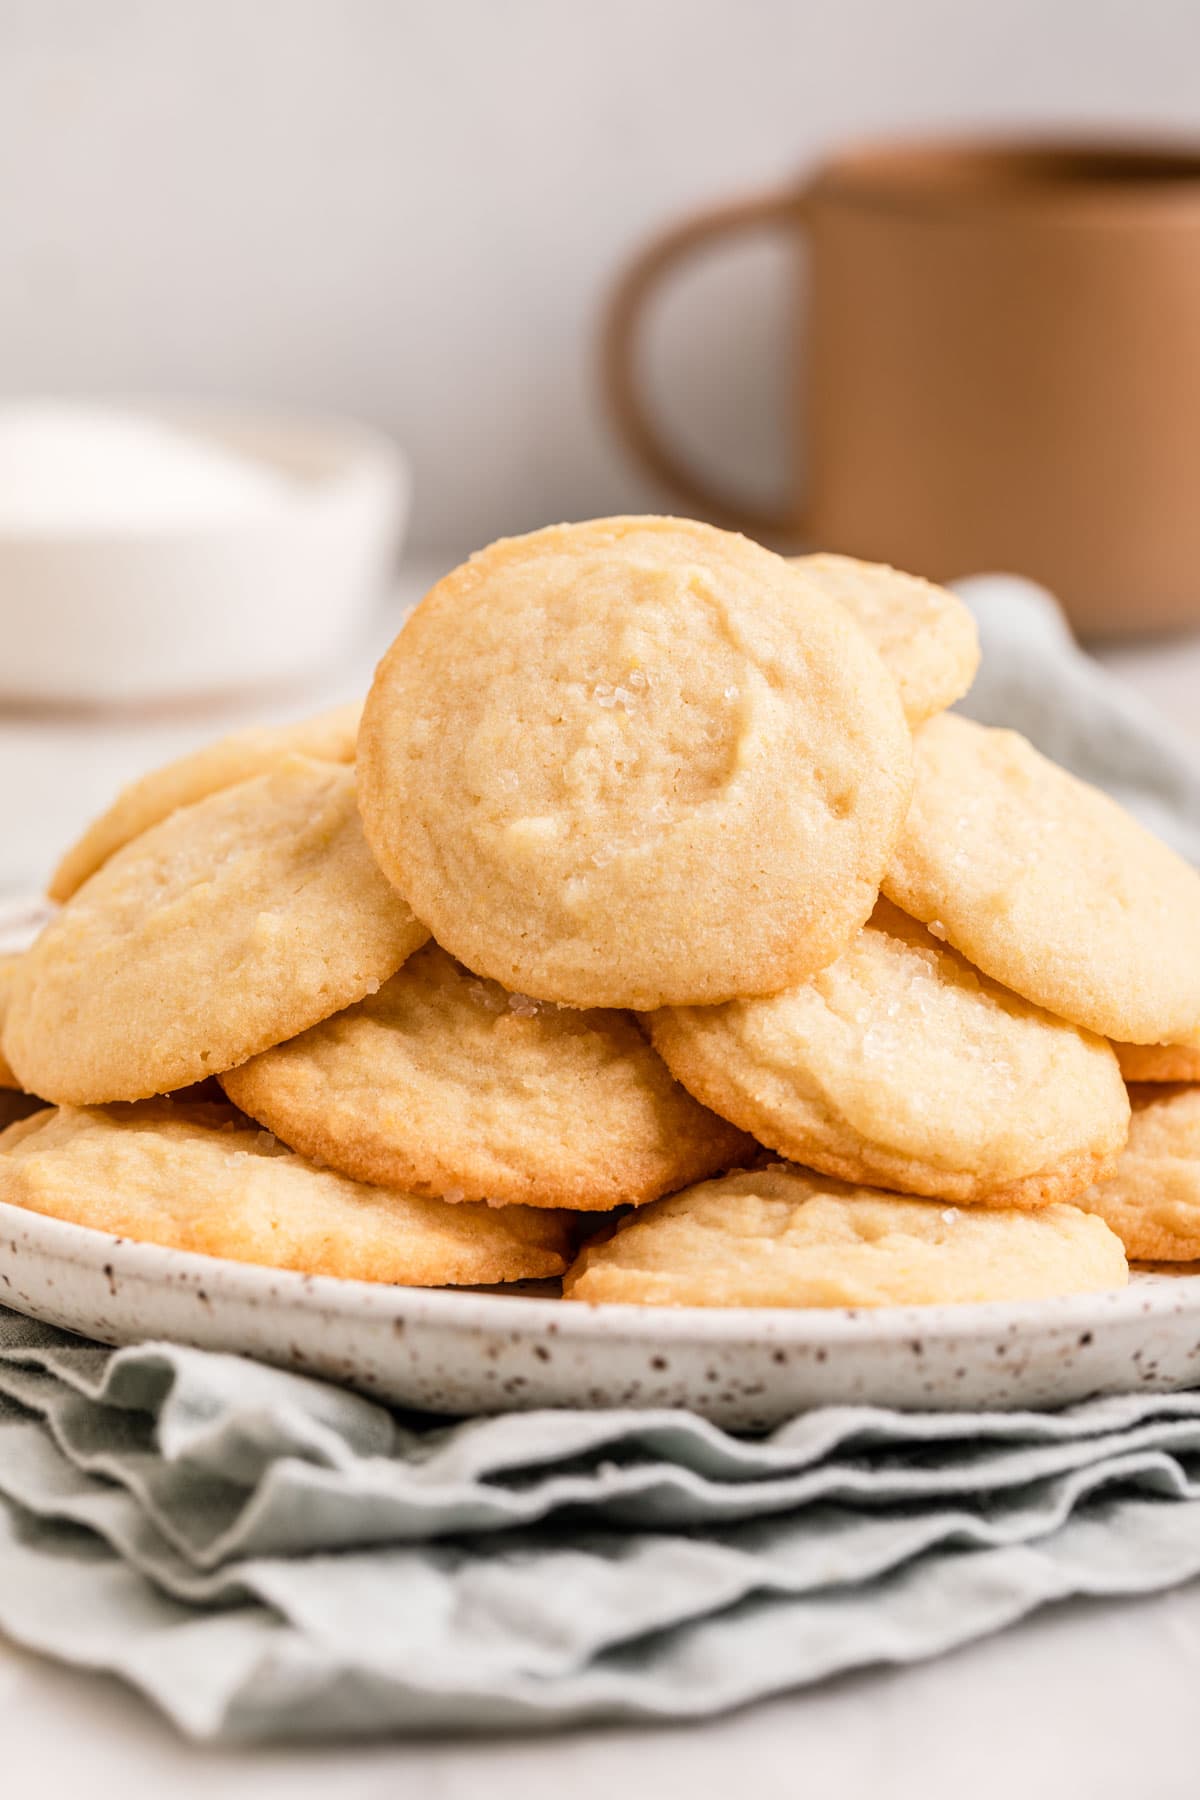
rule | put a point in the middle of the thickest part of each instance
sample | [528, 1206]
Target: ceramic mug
[1000, 367]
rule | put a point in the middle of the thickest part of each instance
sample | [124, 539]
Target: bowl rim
[361, 460]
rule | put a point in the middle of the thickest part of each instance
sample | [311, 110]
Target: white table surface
[1090, 1701]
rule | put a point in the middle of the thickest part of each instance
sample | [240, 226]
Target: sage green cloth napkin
[267, 1556]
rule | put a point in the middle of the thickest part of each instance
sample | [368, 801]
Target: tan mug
[999, 368]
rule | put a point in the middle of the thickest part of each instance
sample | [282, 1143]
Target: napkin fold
[267, 1556]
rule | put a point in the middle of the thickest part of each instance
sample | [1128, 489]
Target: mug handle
[619, 343]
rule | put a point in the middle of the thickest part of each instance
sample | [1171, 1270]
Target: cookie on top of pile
[657, 927]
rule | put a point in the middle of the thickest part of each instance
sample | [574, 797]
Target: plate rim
[1148, 1295]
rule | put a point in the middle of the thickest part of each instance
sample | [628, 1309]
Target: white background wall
[409, 209]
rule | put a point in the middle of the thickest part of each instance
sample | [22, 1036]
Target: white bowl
[131, 614]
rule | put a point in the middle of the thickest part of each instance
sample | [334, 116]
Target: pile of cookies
[657, 927]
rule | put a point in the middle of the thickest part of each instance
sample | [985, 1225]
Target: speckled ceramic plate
[455, 1352]
[464, 1351]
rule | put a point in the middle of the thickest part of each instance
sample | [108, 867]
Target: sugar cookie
[783, 1237]
[1049, 886]
[8, 1077]
[197, 1178]
[442, 1083]
[901, 1066]
[1152, 1201]
[236, 923]
[330, 737]
[632, 762]
[924, 634]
